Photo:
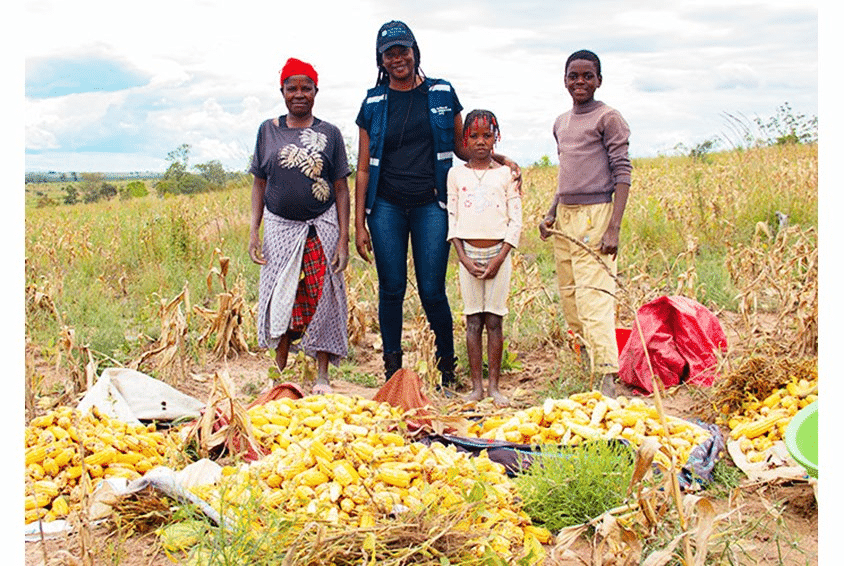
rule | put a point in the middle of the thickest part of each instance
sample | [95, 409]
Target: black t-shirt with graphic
[300, 166]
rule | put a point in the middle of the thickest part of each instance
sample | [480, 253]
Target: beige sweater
[592, 147]
[485, 208]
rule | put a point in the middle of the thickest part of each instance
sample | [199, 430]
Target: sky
[112, 89]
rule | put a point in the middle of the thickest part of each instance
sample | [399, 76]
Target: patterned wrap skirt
[283, 248]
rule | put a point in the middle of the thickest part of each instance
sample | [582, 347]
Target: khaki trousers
[587, 290]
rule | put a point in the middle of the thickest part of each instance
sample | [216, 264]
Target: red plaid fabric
[310, 285]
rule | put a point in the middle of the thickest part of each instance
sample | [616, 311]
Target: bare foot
[499, 399]
[475, 395]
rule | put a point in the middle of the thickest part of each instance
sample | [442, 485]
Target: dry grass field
[165, 286]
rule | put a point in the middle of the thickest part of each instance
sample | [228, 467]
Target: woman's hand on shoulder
[515, 170]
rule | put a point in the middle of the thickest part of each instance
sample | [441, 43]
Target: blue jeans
[427, 226]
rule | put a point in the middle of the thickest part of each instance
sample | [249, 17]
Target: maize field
[167, 288]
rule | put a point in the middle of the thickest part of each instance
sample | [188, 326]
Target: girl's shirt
[484, 204]
[300, 166]
[592, 148]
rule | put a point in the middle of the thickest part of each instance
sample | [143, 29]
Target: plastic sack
[132, 396]
[682, 338]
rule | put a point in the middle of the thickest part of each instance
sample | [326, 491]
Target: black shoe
[392, 364]
[608, 384]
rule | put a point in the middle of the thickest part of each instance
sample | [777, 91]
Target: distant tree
[213, 173]
[91, 186]
[178, 159]
[108, 191]
[788, 127]
[71, 194]
[135, 189]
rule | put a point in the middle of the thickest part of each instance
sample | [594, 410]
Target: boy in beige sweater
[585, 215]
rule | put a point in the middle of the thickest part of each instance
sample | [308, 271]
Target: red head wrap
[297, 67]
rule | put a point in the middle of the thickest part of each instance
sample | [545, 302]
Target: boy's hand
[609, 242]
[546, 226]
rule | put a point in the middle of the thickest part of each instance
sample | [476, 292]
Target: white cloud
[213, 67]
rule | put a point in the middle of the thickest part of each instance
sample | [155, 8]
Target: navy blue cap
[394, 33]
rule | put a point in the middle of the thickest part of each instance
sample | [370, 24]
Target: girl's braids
[480, 117]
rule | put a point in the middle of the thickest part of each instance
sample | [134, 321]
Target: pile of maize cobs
[65, 446]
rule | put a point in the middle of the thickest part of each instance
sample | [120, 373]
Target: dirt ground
[787, 514]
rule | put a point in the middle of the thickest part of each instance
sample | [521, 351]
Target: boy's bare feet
[499, 399]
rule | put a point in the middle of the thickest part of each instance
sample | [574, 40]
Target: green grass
[571, 486]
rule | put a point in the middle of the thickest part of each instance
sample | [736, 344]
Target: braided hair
[384, 77]
[586, 56]
[483, 117]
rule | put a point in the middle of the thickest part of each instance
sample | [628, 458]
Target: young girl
[484, 224]
[592, 188]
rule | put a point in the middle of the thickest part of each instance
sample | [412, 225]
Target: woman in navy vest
[410, 128]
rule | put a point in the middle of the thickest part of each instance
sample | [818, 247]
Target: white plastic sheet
[132, 396]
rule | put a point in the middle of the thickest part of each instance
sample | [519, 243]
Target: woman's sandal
[321, 389]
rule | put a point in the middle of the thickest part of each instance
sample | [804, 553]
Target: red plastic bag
[682, 337]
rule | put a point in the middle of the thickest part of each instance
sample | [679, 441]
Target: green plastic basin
[801, 438]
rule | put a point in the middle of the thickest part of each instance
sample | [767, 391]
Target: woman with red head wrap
[301, 194]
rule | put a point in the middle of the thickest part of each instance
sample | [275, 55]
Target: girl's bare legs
[474, 345]
[495, 349]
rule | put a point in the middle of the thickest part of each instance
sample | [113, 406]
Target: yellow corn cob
[587, 432]
[771, 400]
[101, 457]
[391, 438]
[34, 514]
[50, 467]
[347, 505]
[528, 429]
[48, 487]
[58, 432]
[60, 506]
[35, 455]
[366, 520]
[313, 421]
[64, 456]
[35, 471]
[305, 493]
[73, 472]
[394, 476]
[311, 477]
[759, 427]
[318, 449]
[345, 473]
[37, 500]
[43, 421]
[363, 450]
[274, 480]
[598, 413]
[130, 458]
[275, 498]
